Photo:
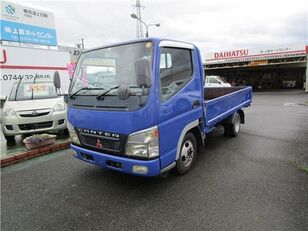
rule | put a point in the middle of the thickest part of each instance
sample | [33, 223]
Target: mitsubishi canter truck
[140, 107]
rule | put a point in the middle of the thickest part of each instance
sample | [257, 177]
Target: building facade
[271, 68]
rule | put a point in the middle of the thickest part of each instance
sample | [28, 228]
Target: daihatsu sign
[242, 55]
[31, 64]
[27, 25]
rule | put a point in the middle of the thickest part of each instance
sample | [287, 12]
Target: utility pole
[82, 43]
[139, 28]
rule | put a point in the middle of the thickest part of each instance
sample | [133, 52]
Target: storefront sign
[27, 25]
[249, 55]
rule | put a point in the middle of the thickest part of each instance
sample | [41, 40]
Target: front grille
[102, 141]
[9, 127]
[34, 126]
[34, 115]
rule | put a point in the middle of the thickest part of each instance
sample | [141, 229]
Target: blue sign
[19, 32]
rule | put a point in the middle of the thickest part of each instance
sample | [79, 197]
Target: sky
[216, 25]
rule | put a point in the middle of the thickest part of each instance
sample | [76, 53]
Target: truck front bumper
[119, 163]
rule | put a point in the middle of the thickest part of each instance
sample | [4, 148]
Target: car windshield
[106, 68]
[222, 79]
[32, 91]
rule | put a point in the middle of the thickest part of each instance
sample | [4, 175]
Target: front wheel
[188, 154]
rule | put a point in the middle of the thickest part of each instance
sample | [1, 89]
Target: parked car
[215, 81]
[288, 83]
[31, 108]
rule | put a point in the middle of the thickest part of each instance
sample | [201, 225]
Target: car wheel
[188, 154]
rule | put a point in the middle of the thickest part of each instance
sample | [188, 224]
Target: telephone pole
[139, 28]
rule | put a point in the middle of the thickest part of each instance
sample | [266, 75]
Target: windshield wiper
[85, 88]
[106, 92]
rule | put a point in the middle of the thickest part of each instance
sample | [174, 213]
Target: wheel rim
[237, 124]
[187, 153]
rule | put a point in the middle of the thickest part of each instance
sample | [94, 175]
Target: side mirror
[143, 73]
[56, 80]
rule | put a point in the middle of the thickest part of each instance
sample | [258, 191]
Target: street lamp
[80, 45]
[146, 26]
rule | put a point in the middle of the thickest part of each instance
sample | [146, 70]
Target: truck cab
[139, 108]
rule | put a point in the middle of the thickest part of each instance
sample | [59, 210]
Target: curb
[9, 160]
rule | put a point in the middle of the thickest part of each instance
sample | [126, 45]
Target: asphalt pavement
[255, 181]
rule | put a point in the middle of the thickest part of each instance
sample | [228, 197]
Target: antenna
[139, 28]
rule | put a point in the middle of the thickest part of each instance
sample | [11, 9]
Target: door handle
[196, 103]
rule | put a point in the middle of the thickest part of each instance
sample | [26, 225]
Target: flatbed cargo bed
[219, 103]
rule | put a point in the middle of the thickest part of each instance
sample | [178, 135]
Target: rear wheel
[234, 128]
[10, 139]
[188, 154]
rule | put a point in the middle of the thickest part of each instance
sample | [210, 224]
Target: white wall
[21, 62]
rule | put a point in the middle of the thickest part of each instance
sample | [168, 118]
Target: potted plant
[39, 140]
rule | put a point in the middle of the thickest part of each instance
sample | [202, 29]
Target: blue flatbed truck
[140, 107]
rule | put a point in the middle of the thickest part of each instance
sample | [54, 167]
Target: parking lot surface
[255, 181]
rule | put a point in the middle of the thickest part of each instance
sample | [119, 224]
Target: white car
[215, 81]
[32, 108]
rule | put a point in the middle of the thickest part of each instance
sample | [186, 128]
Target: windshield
[106, 68]
[222, 79]
[29, 91]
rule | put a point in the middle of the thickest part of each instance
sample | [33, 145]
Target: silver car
[33, 108]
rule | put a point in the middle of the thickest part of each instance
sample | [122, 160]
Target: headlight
[59, 107]
[8, 111]
[73, 134]
[143, 143]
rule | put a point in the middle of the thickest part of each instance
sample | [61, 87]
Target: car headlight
[59, 107]
[143, 143]
[8, 111]
[73, 134]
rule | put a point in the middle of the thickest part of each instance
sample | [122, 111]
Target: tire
[233, 129]
[188, 154]
[10, 139]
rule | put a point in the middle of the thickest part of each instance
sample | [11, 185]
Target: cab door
[180, 99]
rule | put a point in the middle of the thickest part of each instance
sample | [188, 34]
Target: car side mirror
[143, 73]
[56, 80]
